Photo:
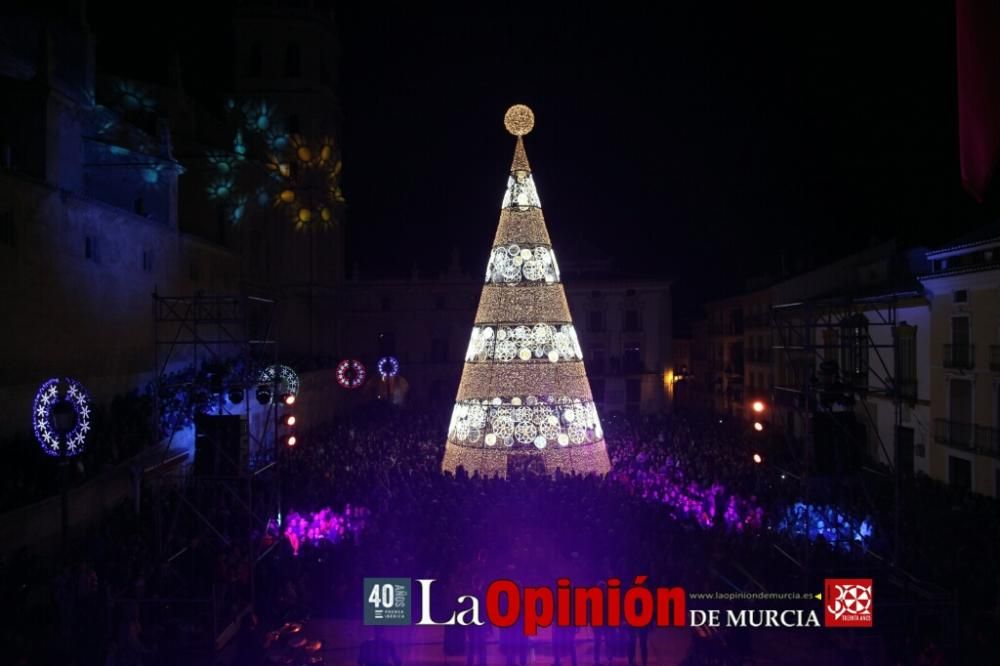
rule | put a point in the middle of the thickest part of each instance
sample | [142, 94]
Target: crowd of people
[685, 505]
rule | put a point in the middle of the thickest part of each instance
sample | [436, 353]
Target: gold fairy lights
[519, 120]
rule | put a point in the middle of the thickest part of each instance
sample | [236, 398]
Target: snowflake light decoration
[351, 373]
[282, 378]
[309, 182]
[388, 366]
[66, 393]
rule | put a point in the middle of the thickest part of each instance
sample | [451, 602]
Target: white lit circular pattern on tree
[61, 400]
[542, 341]
[512, 264]
[558, 421]
[388, 366]
[351, 373]
[280, 380]
[521, 193]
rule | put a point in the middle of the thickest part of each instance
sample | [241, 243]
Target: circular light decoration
[308, 182]
[351, 373]
[388, 366]
[281, 378]
[519, 120]
[61, 413]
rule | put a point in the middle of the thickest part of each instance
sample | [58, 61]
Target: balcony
[955, 434]
[968, 437]
[995, 358]
[961, 357]
[988, 441]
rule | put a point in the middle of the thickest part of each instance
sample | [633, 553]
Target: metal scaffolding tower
[209, 352]
[834, 356]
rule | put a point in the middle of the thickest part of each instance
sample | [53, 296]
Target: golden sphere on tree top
[519, 120]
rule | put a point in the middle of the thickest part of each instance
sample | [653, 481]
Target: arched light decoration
[388, 366]
[351, 373]
[66, 394]
[280, 377]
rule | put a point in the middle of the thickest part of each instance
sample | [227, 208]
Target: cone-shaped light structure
[524, 399]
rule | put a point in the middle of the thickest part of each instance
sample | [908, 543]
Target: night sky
[701, 143]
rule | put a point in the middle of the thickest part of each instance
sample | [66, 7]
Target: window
[293, 60]
[92, 249]
[854, 349]
[147, 261]
[632, 321]
[960, 412]
[960, 472]
[959, 355]
[996, 407]
[194, 271]
[961, 296]
[8, 232]
[906, 361]
[595, 321]
[632, 357]
[906, 450]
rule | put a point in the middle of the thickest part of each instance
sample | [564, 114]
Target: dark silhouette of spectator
[640, 636]
[378, 651]
[564, 644]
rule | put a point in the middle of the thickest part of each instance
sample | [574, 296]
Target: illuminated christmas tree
[524, 399]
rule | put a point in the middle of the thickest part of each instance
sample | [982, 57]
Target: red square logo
[847, 602]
